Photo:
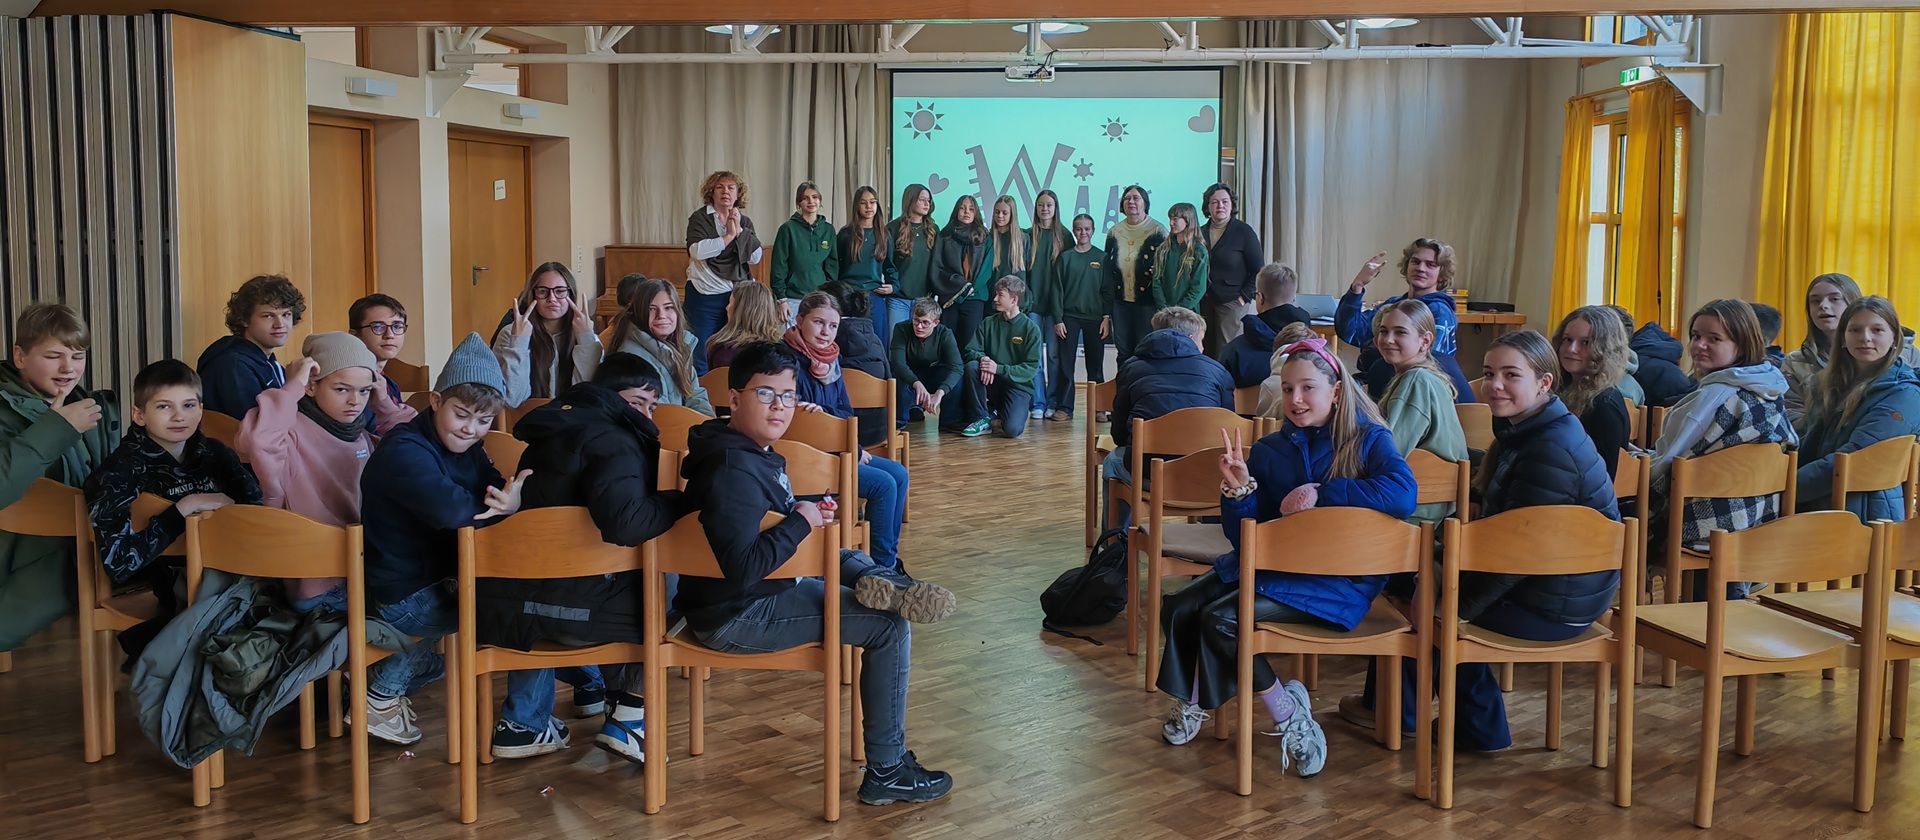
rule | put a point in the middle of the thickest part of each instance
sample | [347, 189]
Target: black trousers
[1201, 628]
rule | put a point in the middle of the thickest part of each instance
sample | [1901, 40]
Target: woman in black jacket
[962, 271]
[1234, 256]
[861, 350]
[1540, 456]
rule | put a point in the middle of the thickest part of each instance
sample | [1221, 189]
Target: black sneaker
[510, 740]
[588, 702]
[904, 782]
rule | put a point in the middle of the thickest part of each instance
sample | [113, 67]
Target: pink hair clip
[1317, 345]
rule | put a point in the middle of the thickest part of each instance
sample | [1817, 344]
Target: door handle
[476, 273]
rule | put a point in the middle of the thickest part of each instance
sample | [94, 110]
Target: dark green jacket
[803, 257]
[873, 266]
[1013, 344]
[1082, 287]
[1040, 275]
[36, 573]
[915, 267]
[1180, 274]
[938, 354]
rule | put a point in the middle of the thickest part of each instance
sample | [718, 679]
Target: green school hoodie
[1013, 344]
[1081, 287]
[1040, 272]
[937, 352]
[915, 266]
[1418, 408]
[1180, 274]
[35, 442]
[803, 257]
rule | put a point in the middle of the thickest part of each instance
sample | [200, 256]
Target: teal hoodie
[803, 257]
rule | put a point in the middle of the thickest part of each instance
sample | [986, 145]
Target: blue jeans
[928, 377]
[530, 693]
[794, 618]
[429, 614]
[883, 486]
[1046, 360]
[888, 311]
[705, 315]
[1480, 710]
[1131, 322]
[1117, 465]
[1011, 401]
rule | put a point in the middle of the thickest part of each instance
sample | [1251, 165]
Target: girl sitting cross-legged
[1332, 451]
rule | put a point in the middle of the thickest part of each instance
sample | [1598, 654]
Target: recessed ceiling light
[1053, 27]
[752, 29]
[1383, 23]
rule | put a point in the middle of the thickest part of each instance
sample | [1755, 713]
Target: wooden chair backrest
[824, 431]
[1345, 540]
[1512, 543]
[420, 401]
[669, 472]
[1191, 480]
[1246, 400]
[866, 391]
[1476, 422]
[1882, 466]
[811, 472]
[1478, 387]
[1636, 422]
[715, 381]
[511, 416]
[1100, 395]
[1440, 480]
[146, 506]
[410, 378]
[221, 427]
[1753, 469]
[1903, 545]
[674, 421]
[1189, 430]
[1656, 423]
[684, 550]
[1819, 545]
[49, 509]
[505, 450]
[270, 542]
[543, 544]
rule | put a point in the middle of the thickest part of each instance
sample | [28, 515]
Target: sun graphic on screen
[1114, 130]
[923, 120]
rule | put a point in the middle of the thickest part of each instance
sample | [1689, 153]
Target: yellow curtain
[1646, 204]
[1576, 178]
[1842, 180]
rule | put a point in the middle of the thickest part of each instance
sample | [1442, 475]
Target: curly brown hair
[1442, 254]
[713, 183]
[273, 291]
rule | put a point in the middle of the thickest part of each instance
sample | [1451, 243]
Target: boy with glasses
[380, 322]
[735, 479]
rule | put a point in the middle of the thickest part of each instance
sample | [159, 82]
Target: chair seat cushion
[1382, 620]
[1841, 608]
[1753, 631]
[1500, 641]
[1194, 543]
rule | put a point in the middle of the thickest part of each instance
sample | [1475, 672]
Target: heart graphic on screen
[1204, 121]
[936, 184]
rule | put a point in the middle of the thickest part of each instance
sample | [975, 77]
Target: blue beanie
[472, 363]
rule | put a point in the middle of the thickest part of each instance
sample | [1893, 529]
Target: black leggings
[1201, 626]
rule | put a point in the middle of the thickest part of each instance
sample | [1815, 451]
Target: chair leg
[219, 762]
[203, 783]
[469, 739]
[830, 758]
[697, 708]
[454, 681]
[482, 714]
[859, 728]
[1555, 673]
[306, 717]
[1386, 701]
[1243, 742]
[1311, 679]
[1897, 728]
[1866, 740]
[1748, 687]
[1506, 677]
[89, 696]
[1623, 747]
[654, 791]
[1709, 750]
[1422, 724]
[1670, 593]
[846, 664]
[1449, 679]
[1156, 589]
[109, 678]
[1602, 711]
[1133, 592]
[357, 743]
[334, 723]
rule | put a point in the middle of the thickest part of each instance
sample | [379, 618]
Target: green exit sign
[1636, 75]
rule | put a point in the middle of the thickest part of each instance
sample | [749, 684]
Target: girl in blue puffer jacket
[1864, 396]
[1332, 451]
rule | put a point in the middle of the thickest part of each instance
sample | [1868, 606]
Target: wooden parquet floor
[1048, 737]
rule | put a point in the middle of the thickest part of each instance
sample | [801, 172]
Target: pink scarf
[822, 360]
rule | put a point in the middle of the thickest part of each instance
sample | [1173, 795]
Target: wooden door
[491, 233]
[340, 162]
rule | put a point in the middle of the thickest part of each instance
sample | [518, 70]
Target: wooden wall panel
[240, 129]
[344, 262]
[664, 261]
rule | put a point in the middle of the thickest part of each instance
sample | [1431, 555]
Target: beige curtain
[1343, 159]
[773, 124]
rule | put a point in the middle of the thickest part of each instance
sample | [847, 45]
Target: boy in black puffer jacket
[595, 447]
[1167, 373]
[861, 350]
[1659, 374]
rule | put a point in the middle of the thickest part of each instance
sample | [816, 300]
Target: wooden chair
[1584, 540]
[221, 427]
[1170, 435]
[1742, 639]
[825, 432]
[864, 391]
[570, 546]
[1172, 548]
[510, 416]
[1656, 423]
[1636, 424]
[1346, 541]
[1886, 465]
[1632, 479]
[674, 421]
[1476, 422]
[505, 450]
[683, 550]
[111, 613]
[273, 543]
[1479, 388]
[715, 381]
[1246, 401]
[1441, 481]
[52, 509]
[1845, 611]
[1098, 398]
[410, 378]
[1754, 469]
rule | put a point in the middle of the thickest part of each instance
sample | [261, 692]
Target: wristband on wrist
[1240, 492]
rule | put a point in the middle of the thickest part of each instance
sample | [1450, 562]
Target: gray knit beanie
[472, 362]
[337, 351]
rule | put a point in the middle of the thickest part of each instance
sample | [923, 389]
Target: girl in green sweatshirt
[913, 236]
[1180, 264]
[1081, 304]
[1048, 238]
[1418, 404]
[803, 250]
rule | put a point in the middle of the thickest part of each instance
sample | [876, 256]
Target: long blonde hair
[903, 240]
[755, 316]
[1016, 252]
[1350, 406]
[1609, 350]
[856, 238]
[679, 350]
[1420, 316]
[1843, 383]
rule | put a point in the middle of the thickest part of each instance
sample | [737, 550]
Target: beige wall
[572, 172]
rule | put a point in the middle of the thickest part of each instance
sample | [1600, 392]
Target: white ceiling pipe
[1152, 56]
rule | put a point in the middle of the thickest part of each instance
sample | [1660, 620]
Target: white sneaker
[1183, 722]
[392, 721]
[1303, 744]
[1037, 414]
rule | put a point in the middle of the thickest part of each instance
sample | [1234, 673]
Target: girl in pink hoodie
[308, 440]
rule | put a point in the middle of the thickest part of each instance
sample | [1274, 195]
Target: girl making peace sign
[1332, 451]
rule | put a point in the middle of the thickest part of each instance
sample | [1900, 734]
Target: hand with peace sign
[522, 325]
[1233, 465]
[1368, 272]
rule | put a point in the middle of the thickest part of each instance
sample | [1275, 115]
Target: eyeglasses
[385, 328]
[767, 395]
[556, 292]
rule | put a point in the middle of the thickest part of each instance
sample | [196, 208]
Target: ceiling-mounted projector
[1030, 73]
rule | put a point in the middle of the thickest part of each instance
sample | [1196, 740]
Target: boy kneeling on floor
[735, 479]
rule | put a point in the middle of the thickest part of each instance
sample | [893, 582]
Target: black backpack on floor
[1090, 594]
